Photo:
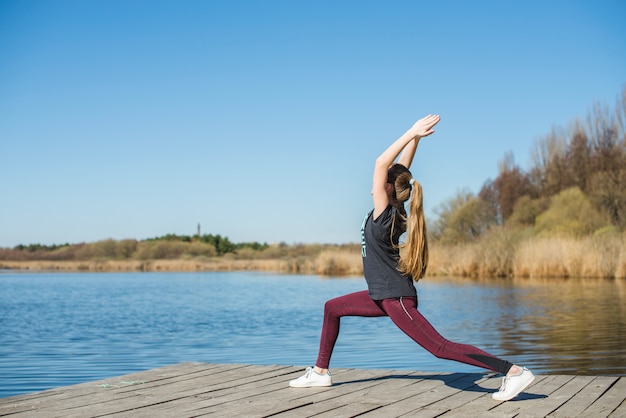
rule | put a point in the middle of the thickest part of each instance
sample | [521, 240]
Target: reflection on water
[61, 329]
[570, 326]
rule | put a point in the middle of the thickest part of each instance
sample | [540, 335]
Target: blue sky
[261, 120]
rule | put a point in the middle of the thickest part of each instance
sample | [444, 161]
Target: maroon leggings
[403, 312]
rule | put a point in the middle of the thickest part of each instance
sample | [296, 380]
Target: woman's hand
[424, 126]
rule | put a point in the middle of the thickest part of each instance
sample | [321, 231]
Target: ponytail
[414, 258]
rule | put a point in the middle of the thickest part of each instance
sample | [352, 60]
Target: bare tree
[549, 172]
[578, 159]
[510, 185]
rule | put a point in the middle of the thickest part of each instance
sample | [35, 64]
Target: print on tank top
[363, 246]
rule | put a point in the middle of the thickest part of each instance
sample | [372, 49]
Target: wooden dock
[237, 390]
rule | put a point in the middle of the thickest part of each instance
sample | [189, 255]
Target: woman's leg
[353, 304]
[403, 312]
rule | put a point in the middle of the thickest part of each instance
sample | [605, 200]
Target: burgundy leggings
[403, 312]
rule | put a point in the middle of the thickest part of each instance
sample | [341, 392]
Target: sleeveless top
[380, 257]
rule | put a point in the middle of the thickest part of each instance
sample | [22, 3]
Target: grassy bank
[504, 254]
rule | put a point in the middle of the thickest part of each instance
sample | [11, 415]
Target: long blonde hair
[414, 251]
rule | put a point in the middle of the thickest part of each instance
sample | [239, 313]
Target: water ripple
[60, 329]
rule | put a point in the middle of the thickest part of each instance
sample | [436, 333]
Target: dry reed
[592, 257]
[340, 262]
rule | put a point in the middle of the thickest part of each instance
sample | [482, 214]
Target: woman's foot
[516, 380]
[312, 378]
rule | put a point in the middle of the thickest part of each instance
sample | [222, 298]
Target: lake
[58, 329]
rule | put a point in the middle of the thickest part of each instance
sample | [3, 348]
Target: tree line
[576, 186]
[168, 246]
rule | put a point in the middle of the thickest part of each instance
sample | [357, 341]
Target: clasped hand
[424, 126]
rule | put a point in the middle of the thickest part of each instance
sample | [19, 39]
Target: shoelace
[506, 379]
[504, 382]
[309, 372]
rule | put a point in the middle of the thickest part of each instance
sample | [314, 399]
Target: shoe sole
[521, 389]
[321, 385]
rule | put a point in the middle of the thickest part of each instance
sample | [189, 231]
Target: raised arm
[407, 142]
[408, 152]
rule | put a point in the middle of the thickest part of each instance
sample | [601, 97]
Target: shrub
[125, 248]
[526, 211]
[198, 249]
[154, 250]
[461, 219]
[570, 214]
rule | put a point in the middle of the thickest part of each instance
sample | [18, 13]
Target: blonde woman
[390, 273]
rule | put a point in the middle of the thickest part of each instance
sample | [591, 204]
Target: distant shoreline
[284, 266]
[589, 257]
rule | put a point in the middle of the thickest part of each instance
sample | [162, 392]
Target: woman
[390, 274]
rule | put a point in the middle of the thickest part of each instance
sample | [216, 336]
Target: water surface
[58, 329]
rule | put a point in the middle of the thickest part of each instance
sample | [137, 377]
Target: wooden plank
[609, 401]
[483, 405]
[279, 393]
[350, 394]
[122, 398]
[478, 396]
[575, 405]
[449, 404]
[619, 412]
[379, 388]
[199, 383]
[201, 389]
[540, 389]
[241, 388]
[216, 396]
[476, 389]
[367, 398]
[220, 398]
[423, 399]
[85, 393]
[112, 395]
[546, 406]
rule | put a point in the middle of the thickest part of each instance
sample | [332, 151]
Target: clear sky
[261, 120]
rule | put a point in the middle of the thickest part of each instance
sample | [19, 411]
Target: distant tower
[198, 229]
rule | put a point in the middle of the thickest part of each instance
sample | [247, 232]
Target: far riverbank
[589, 257]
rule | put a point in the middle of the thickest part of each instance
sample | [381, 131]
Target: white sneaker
[312, 379]
[513, 385]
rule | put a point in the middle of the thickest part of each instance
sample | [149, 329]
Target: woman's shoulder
[386, 214]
